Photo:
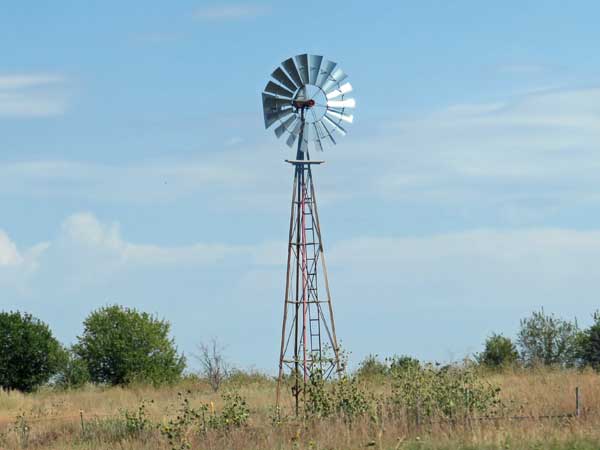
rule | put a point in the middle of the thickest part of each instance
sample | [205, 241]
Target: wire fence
[578, 412]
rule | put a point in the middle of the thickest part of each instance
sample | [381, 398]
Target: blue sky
[135, 168]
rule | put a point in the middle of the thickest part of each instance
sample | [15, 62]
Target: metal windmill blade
[307, 102]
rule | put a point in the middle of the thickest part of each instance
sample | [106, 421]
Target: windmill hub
[304, 104]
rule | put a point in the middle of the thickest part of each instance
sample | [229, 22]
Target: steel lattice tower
[308, 339]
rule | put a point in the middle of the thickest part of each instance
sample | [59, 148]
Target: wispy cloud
[230, 12]
[18, 265]
[529, 156]
[32, 95]
[146, 182]
[20, 81]
[92, 252]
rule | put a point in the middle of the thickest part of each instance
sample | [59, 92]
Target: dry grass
[52, 419]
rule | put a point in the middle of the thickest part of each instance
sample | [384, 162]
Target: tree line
[542, 340]
[545, 339]
[120, 345]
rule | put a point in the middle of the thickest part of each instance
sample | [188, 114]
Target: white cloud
[85, 232]
[32, 95]
[473, 268]
[9, 255]
[230, 12]
[20, 81]
[18, 266]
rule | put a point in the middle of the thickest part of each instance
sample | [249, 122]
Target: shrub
[371, 366]
[548, 340]
[499, 351]
[213, 365]
[235, 411]
[121, 345]
[449, 392]
[29, 354]
[400, 363]
[189, 421]
[343, 397]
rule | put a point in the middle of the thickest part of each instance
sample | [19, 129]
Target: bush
[499, 352]
[401, 363]
[343, 397]
[371, 366]
[121, 345]
[29, 354]
[548, 340]
[449, 392]
[213, 365]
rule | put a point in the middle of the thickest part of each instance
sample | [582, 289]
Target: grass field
[138, 417]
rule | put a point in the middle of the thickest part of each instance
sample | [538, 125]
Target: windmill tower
[306, 103]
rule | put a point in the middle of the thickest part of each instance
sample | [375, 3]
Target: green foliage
[349, 399]
[177, 429]
[29, 354]
[22, 429]
[401, 363]
[449, 392]
[548, 340]
[189, 421]
[343, 397]
[371, 366]
[137, 422]
[113, 430]
[318, 401]
[73, 372]
[235, 411]
[499, 352]
[589, 344]
[121, 345]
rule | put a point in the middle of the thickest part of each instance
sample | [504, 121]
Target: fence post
[577, 402]
[81, 417]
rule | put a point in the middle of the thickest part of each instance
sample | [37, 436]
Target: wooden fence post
[577, 402]
[81, 417]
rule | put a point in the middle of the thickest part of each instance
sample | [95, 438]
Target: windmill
[306, 103]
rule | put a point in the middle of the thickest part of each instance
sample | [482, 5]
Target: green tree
[29, 354]
[121, 345]
[499, 351]
[589, 344]
[548, 340]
